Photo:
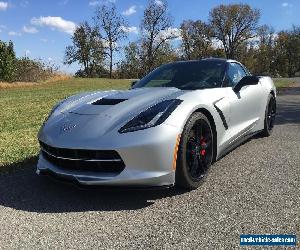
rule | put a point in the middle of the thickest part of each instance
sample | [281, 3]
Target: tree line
[232, 31]
[22, 69]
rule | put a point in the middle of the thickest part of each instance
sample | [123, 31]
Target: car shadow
[22, 189]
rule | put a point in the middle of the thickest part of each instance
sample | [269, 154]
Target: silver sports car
[166, 130]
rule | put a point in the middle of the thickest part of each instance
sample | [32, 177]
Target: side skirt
[237, 143]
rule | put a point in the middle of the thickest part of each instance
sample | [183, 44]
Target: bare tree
[87, 48]
[186, 30]
[233, 24]
[196, 39]
[112, 25]
[266, 35]
[156, 30]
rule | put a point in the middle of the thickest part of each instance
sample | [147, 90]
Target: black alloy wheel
[199, 150]
[196, 151]
[269, 116]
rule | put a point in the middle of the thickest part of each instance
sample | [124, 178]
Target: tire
[270, 114]
[195, 152]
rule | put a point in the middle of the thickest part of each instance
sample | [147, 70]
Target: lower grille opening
[106, 161]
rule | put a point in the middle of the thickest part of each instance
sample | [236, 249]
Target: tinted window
[186, 75]
[246, 70]
[235, 73]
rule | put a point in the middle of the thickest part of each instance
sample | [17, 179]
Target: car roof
[211, 59]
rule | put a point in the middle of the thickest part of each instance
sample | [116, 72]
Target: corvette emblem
[68, 127]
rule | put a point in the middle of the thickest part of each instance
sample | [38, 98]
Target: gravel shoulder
[253, 189]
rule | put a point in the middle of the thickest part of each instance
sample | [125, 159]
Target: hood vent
[106, 101]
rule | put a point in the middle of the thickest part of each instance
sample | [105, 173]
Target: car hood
[97, 113]
[119, 102]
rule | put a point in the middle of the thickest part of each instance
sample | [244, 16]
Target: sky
[42, 29]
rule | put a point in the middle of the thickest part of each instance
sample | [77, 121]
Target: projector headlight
[152, 116]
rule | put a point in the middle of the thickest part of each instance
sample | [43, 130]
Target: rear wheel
[269, 116]
[195, 152]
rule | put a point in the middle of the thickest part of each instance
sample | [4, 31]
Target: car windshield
[186, 75]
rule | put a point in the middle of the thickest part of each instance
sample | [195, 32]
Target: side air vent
[106, 101]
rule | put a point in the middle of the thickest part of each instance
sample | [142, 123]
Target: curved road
[254, 189]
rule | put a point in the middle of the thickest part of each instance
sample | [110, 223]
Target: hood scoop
[107, 101]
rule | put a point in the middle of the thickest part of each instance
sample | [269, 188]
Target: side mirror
[246, 80]
[133, 83]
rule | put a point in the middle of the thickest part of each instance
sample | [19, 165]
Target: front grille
[108, 161]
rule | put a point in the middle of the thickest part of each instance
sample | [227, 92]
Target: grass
[23, 110]
[285, 82]
[55, 78]
[24, 107]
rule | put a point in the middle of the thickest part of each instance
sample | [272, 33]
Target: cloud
[3, 5]
[44, 40]
[63, 2]
[171, 32]
[14, 33]
[56, 23]
[131, 29]
[94, 3]
[24, 3]
[31, 30]
[2, 27]
[130, 11]
[159, 2]
[285, 4]
[27, 52]
[99, 2]
[217, 44]
[106, 44]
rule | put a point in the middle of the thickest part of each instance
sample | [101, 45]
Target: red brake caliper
[203, 143]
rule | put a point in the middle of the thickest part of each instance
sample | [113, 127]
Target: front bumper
[148, 156]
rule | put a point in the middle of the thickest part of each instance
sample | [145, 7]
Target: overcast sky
[42, 29]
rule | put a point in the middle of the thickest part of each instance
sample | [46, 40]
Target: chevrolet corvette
[167, 129]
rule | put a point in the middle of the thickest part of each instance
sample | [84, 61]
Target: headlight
[151, 117]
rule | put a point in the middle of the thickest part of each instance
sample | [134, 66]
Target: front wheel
[269, 116]
[195, 154]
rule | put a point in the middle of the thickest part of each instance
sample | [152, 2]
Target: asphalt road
[254, 189]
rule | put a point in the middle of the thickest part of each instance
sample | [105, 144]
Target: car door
[245, 104]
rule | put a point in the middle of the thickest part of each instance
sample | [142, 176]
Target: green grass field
[23, 110]
[283, 82]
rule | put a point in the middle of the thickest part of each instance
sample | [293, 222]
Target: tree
[34, 70]
[265, 51]
[130, 66]
[87, 49]
[112, 24]
[196, 39]
[156, 30]
[293, 51]
[7, 61]
[233, 24]
[287, 52]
